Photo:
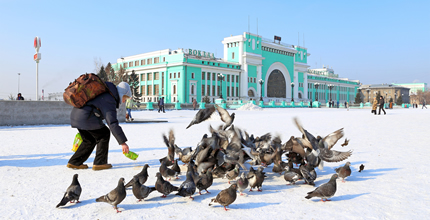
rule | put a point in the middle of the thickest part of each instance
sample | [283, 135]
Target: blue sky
[370, 41]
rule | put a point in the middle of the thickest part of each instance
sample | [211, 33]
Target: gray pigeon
[344, 171]
[205, 181]
[325, 191]
[201, 116]
[188, 187]
[143, 176]
[163, 186]
[226, 196]
[115, 196]
[72, 193]
[167, 172]
[291, 176]
[242, 183]
[176, 168]
[256, 178]
[232, 174]
[225, 117]
[141, 191]
[308, 173]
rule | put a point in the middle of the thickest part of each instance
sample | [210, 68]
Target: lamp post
[18, 81]
[316, 91]
[292, 91]
[261, 89]
[220, 78]
[330, 86]
[368, 95]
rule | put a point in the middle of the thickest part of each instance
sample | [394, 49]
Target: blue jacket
[91, 115]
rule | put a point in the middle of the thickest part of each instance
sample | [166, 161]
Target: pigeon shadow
[254, 205]
[142, 205]
[347, 197]
[76, 205]
[368, 174]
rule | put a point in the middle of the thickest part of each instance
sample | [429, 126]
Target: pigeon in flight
[325, 191]
[226, 196]
[225, 117]
[345, 143]
[73, 192]
[201, 116]
[116, 196]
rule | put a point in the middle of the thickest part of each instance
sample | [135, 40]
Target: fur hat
[123, 90]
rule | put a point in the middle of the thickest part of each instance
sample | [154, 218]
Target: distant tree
[399, 100]
[102, 74]
[358, 98]
[11, 97]
[133, 81]
[206, 100]
[97, 64]
[118, 76]
[391, 99]
[378, 94]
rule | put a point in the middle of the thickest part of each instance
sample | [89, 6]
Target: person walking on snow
[89, 121]
[129, 104]
[381, 105]
[161, 105]
[194, 104]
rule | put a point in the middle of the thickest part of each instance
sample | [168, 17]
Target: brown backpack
[85, 88]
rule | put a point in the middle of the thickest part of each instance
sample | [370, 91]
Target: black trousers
[161, 108]
[380, 107]
[90, 139]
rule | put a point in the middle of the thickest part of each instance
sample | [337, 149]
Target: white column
[244, 81]
[296, 86]
[259, 76]
[305, 85]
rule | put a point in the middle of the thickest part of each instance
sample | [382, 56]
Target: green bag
[131, 155]
[77, 142]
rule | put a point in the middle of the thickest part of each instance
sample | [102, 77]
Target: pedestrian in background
[374, 105]
[129, 104]
[19, 97]
[424, 104]
[161, 105]
[194, 104]
[381, 105]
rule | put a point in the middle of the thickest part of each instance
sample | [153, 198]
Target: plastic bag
[77, 142]
[131, 155]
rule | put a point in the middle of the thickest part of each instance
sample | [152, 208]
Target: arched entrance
[276, 86]
[251, 93]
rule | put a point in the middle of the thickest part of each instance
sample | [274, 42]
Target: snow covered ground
[393, 185]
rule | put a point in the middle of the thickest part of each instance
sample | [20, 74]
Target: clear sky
[370, 41]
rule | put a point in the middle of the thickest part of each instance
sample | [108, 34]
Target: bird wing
[225, 116]
[334, 156]
[330, 140]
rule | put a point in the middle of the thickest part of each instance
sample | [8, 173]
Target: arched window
[192, 89]
[174, 89]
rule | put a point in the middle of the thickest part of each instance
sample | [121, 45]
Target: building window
[237, 91]
[237, 78]
[228, 90]
[218, 90]
[179, 74]
[208, 90]
[203, 90]
[149, 89]
[162, 83]
[142, 62]
[125, 65]
[143, 90]
[255, 80]
[232, 55]
[192, 75]
[149, 61]
[156, 60]
[142, 77]
[203, 75]
[164, 59]
[156, 90]
[213, 90]
[170, 75]
[136, 63]
[192, 89]
[130, 64]
[228, 78]
[149, 76]
[232, 78]
[209, 76]
[213, 76]
[174, 75]
[156, 76]
[174, 89]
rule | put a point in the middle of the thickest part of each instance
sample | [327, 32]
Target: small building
[388, 91]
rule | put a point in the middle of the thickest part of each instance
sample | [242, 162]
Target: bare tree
[98, 63]
[11, 97]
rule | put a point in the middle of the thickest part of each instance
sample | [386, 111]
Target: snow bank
[250, 107]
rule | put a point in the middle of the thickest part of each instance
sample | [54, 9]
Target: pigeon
[242, 183]
[225, 117]
[226, 196]
[291, 176]
[201, 116]
[308, 173]
[361, 168]
[204, 181]
[163, 186]
[115, 196]
[188, 187]
[141, 191]
[344, 171]
[345, 143]
[143, 176]
[278, 168]
[176, 168]
[325, 191]
[256, 178]
[186, 154]
[72, 193]
[167, 172]
[232, 174]
[170, 143]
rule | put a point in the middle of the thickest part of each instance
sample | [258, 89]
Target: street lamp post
[292, 91]
[220, 78]
[316, 91]
[261, 89]
[330, 87]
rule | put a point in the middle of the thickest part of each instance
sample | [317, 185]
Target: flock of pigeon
[223, 154]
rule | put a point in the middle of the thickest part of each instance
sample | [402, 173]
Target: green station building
[252, 67]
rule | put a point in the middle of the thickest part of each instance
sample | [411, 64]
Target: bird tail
[63, 202]
[101, 199]
[308, 197]
[189, 125]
